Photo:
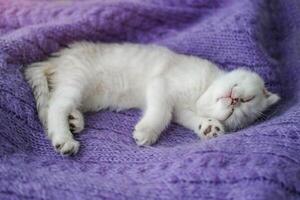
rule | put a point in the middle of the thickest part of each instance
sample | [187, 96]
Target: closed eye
[245, 100]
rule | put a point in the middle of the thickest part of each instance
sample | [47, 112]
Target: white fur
[192, 91]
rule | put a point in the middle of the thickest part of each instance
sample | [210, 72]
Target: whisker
[260, 114]
[275, 111]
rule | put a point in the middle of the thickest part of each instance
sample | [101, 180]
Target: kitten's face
[236, 99]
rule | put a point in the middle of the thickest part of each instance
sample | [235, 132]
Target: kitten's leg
[157, 115]
[204, 127]
[76, 121]
[64, 100]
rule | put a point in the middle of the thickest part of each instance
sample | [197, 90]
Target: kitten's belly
[117, 89]
[113, 101]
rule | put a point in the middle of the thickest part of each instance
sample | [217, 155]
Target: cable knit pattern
[259, 162]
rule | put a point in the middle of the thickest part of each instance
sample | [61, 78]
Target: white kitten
[91, 77]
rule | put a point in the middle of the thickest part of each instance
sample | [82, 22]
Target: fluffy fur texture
[192, 91]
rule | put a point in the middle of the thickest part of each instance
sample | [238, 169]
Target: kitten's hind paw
[145, 137]
[210, 128]
[76, 121]
[66, 146]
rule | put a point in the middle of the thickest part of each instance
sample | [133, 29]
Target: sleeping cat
[167, 86]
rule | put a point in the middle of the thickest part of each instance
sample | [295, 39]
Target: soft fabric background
[259, 162]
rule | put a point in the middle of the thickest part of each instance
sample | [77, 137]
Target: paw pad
[207, 130]
[210, 128]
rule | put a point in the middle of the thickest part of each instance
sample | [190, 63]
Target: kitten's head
[236, 98]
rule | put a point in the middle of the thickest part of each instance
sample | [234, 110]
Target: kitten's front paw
[65, 145]
[76, 121]
[144, 137]
[210, 128]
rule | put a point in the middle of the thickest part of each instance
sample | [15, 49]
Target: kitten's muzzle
[229, 101]
[234, 101]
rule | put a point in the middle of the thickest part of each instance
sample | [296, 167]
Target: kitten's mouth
[233, 101]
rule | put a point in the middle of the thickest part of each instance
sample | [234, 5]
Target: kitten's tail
[36, 75]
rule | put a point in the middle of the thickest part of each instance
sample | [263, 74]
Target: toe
[70, 148]
[144, 138]
[58, 147]
[67, 147]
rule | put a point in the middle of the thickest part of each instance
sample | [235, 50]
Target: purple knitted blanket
[259, 162]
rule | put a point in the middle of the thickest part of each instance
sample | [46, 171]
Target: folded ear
[271, 97]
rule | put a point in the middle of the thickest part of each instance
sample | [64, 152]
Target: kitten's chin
[234, 123]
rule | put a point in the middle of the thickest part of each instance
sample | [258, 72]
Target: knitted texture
[258, 162]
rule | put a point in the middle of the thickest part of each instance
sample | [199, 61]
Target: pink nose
[234, 101]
